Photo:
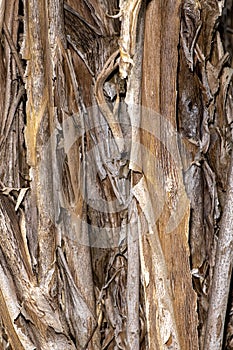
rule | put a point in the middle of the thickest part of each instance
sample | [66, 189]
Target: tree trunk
[115, 174]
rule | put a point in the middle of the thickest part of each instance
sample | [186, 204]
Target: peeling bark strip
[222, 274]
[133, 282]
[129, 13]
[166, 329]
[2, 13]
[133, 101]
[82, 324]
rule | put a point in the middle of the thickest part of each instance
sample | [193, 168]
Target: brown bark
[159, 96]
[114, 149]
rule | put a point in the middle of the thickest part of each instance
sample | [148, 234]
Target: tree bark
[115, 153]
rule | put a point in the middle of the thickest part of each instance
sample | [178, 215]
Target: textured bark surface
[159, 97]
[115, 177]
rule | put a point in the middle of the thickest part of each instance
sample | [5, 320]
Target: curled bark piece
[109, 115]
